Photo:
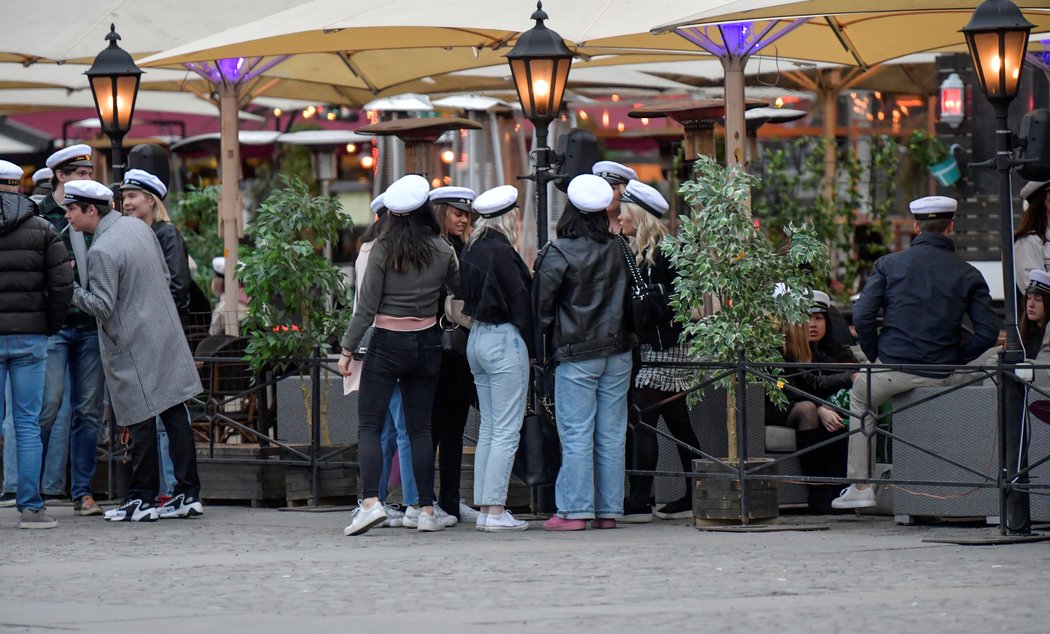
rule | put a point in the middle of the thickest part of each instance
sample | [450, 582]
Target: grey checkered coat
[148, 363]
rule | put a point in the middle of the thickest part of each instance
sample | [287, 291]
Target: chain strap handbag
[649, 305]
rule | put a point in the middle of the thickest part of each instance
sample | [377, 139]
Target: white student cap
[1039, 282]
[10, 174]
[821, 302]
[43, 175]
[406, 194]
[646, 197]
[933, 208]
[377, 206]
[72, 156]
[496, 201]
[458, 197]
[141, 179]
[590, 193]
[614, 173]
[88, 193]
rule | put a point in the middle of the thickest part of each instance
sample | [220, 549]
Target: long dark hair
[408, 239]
[1032, 332]
[830, 347]
[576, 224]
[375, 229]
[1034, 219]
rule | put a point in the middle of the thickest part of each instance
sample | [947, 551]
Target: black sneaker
[8, 499]
[677, 510]
[637, 514]
[180, 506]
[132, 511]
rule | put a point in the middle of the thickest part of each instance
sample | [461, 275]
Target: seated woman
[812, 421]
[1034, 317]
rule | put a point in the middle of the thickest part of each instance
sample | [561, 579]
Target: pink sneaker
[603, 522]
[556, 523]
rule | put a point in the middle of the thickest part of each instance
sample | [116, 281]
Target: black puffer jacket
[580, 301]
[36, 280]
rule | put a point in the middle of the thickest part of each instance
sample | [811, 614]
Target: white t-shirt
[1030, 252]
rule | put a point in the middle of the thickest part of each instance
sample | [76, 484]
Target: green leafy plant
[925, 148]
[720, 253]
[195, 212]
[290, 283]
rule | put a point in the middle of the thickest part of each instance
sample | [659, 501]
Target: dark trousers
[414, 360]
[145, 474]
[456, 392]
[645, 444]
[826, 461]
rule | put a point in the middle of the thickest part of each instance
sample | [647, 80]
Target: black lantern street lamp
[997, 37]
[114, 81]
[540, 64]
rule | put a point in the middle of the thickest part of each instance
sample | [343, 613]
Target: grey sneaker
[430, 523]
[411, 518]
[467, 513]
[394, 516]
[443, 518]
[37, 519]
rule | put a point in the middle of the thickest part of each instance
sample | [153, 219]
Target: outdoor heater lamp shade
[114, 81]
[997, 37]
[540, 64]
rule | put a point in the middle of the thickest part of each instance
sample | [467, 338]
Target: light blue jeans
[75, 350]
[499, 361]
[590, 399]
[23, 358]
[166, 474]
[395, 438]
[10, 450]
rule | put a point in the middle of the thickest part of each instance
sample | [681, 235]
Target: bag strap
[628, 257]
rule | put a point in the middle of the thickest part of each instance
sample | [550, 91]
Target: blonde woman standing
[641, 211]
[495, 285]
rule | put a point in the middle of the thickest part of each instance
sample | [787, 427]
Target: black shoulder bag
[649, 305]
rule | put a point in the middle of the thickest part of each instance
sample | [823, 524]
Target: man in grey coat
[149, 368]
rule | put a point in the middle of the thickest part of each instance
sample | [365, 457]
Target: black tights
[645, 446]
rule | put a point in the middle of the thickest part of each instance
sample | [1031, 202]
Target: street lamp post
[540, 64]
[114, 81]
[997, 36]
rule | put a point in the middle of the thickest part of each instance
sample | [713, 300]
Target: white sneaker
[504, 522]
[479, 524]
[430, 523]
[365, 518]
[411, 518]
[132, 511]
[446, 520]
[467, 513]
[853, 498]
[394, 515]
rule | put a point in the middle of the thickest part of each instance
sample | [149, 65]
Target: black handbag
[538, 459]
[649, 305]
[453, 339]
[362, 346]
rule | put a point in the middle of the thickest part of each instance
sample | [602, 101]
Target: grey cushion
[780, 439]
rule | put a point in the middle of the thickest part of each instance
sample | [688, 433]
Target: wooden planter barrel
[717, 501]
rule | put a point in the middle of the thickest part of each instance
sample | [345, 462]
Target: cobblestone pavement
[247, 570]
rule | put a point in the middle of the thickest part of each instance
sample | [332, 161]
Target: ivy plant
[719, 253]
[290, 283]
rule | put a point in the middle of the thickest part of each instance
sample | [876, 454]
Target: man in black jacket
[36, 285]
[923, 293]
[73, 349]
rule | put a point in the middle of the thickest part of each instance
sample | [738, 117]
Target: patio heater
[997, 36]
[539, 63]
[114, 81]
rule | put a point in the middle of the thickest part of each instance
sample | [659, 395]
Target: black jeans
[414, 360]
[456, 392]
[645, 443]
[145, 474]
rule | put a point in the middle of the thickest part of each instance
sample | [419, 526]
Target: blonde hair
[648, 232]
[507, 224]
[160, 211]
[796, 343]
[441, 212]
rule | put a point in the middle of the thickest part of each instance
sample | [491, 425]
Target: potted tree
[292, 288]
[720, 253]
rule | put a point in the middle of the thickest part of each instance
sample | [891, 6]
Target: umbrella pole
[230, 224]
[736, 131]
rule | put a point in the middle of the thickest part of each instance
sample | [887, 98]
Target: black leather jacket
[177, 257]
[580, 301]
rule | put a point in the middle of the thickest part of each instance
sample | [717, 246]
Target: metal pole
[116, 169]
[1015, 517]
[315, 427]
[543, 176]
[741, 434]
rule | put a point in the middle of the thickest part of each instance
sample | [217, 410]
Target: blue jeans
[56, 446]
[78, 350]
[10, 451]
[24, 359]
[167, 468]
[500, 363]
[395, 437]
[590, 399]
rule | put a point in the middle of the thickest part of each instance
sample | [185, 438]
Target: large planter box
[717, 501]
[258, 484]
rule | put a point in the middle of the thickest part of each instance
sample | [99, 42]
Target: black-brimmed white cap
[73, 156]
[88, 193]
[496, 201]
[933, 208]
[614, 173]
[590, 193]
[646, 197]
[141, 179]
[459, 197]
[406, 194]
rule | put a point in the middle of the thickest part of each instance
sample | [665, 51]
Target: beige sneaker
[36, 519]
[86, 505]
